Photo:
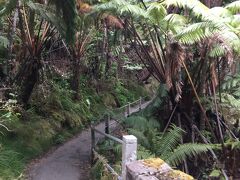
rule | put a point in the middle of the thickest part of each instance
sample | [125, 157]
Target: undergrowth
[51, 118]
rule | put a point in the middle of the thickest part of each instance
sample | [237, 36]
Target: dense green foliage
[64, 64]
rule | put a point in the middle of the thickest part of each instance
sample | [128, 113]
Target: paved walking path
[71, 161]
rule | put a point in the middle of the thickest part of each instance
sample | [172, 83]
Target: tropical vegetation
[63, 63]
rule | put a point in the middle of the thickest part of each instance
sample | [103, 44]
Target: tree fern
[185, 151]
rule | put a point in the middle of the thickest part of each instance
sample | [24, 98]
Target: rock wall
[154, 169]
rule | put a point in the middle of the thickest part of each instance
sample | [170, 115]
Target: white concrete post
[129, 153]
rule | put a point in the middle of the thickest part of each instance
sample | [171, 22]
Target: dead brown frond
[113, 21]
[175, 58]
[83, 7]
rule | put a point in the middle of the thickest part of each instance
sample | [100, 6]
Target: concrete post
[129, 153]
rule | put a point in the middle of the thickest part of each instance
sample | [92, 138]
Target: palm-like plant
[168, 35]
[37, 24]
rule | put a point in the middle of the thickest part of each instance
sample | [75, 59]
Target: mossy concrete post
[129, 153]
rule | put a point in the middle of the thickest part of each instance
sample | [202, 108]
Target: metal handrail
[106, 133]
[107, 165]
[109, 136]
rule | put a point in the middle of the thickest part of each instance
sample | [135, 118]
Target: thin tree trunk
[12, 30]
[119, 60]
[76, 78]
[29, 78]
[106, 49]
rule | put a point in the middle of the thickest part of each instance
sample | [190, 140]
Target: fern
[136, 122]
[8, 7]
[234, 7]
[231, 83]
[185, 151]
[218, 51]
[121, 7]
[4, 42]
[169, 141]
[49, 14]
[156, 12]
[144, 153]
[142, 139]
[197, 32]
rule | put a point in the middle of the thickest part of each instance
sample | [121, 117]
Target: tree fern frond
[49, 14]
[136, 122]
[176, 19]
[234, 7]
[219, 50]
[220, 12]
[196, 32]
[156, 12]
[8, 7]
[185, 151]
[198, 8]
[169, 141]
[121, 7]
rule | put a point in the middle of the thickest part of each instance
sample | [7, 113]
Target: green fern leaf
[184, 151]
[140, 136]
[234, 7]
[169, 141]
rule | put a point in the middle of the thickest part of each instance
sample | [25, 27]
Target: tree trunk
[212, 3]
[29, 77]
[120, 61]
[106, 52]
[76, 78]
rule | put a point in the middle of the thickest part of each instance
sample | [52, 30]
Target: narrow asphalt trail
[71, 161]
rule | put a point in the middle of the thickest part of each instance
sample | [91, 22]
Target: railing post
[129, 153]
[107, 124]
[140, 103]
[92, 144]
[128, 109]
